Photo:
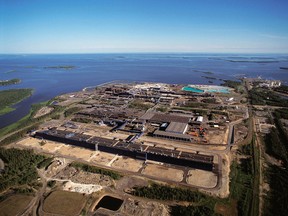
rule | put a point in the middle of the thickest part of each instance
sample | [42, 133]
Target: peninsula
[11, 97]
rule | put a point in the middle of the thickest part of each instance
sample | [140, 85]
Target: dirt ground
[51, 147]
[32, 142]
[70, 101]
[217, 136]
[223, 192]
[241, 132]
[43, 111]
[81, 188]
[94, 130]
[134, 207]
[201, 178]
[82, 153]
[48, 146]
[119, 162]
[102, 158]
[15, 205]
[83, 177]
[129, 164]
[163, 172]
[128, 182]
[50, 124]
[64, 203]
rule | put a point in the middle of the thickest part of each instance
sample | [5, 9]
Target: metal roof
[172, 135]
[160, 117]
[176, 127]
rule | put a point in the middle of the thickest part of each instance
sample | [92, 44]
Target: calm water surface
[93, 69]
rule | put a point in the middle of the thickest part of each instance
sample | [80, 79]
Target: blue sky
[87, 26]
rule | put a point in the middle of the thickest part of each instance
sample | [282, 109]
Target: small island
[9, 82]
[209, 77]
[66, 67]
[284, 68]
[201, 71]
[10, 71]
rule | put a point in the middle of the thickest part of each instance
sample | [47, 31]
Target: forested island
[253, 61]
[9, 82]
[11, 97]
[60, 67]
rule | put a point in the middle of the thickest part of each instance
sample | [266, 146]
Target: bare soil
[202, 178]
[128, 164]
[84, 177]
[163, 172]
[64, 203]
[43, 111]
[14, 205]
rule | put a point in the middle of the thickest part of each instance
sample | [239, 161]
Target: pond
[110, 203]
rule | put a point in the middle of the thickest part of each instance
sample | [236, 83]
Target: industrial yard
[144, 131]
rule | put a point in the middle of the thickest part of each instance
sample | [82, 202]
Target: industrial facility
[138, 151]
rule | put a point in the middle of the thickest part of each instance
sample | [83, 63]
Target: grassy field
[64, 203]
[6, 110]
[14, 205]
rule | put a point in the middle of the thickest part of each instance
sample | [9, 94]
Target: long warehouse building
[138, 151]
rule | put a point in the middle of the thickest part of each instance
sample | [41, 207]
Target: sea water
[93, 69]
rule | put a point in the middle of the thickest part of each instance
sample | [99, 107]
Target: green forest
[231, 84]
[12, 96]
[276, 145]
[20, 168]
[162, 192]
[282, 89]
[261, 96]
[202, 204]
[9, 82]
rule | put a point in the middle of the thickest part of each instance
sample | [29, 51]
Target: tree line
[276, 145]
[93, 169]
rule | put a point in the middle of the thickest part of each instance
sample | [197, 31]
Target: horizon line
[143, 52]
